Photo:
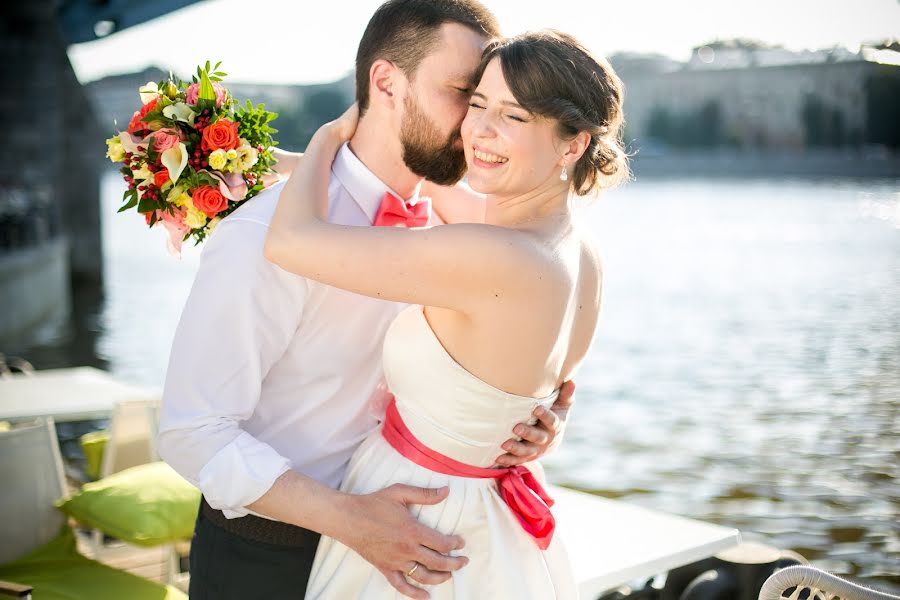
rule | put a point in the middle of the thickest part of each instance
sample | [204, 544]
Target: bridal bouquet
[190, 155]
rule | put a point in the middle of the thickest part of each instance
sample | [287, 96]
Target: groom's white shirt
[269, 370]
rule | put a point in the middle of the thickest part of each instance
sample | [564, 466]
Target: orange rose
[137, 120]
[221, 135]
[209, 200]
[161, 177]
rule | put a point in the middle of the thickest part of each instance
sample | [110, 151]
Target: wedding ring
[413, 570]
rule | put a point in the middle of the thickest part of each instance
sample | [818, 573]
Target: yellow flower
[218, 159]
[248, 156]
[142, 173]
[235, 165]
[194, 218]
[184, 201]
[115, 151]
[231, 154]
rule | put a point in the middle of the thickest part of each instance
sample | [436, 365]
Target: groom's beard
[440, 161]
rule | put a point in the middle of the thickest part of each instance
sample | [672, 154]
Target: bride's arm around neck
[459, 267]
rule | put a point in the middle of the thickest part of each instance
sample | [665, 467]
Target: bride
[502, 312]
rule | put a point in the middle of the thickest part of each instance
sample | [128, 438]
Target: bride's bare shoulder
[591, 261]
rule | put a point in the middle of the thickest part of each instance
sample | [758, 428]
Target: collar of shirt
[363, 185]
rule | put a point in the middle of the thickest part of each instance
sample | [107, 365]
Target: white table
[76, 394]
[611, 542]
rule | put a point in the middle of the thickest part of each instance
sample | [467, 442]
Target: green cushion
[93, 444]
[57, 572]
[146, 505]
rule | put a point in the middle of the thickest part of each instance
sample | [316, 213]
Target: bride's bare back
[528, 344]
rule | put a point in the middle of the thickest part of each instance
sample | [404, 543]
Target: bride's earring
[564, 175]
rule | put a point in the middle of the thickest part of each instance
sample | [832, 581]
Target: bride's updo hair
[552, 75]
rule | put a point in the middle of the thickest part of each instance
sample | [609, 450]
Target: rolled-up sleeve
[239, 318]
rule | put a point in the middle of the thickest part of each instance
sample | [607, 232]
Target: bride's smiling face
[509, 151]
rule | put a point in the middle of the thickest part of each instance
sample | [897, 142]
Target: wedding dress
[460, 419]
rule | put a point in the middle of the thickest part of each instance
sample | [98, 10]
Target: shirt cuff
[240, 474]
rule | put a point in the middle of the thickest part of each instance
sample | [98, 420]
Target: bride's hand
[345, 125]
[332, 135]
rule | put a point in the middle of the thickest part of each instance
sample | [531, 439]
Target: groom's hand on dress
[381, 529]
[533, 441]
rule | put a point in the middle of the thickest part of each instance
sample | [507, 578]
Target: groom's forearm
[378, 526]
[304, 502]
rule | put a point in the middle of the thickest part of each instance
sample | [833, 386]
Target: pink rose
[164, 139]
[193, 93]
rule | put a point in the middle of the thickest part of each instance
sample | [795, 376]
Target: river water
[746, 369]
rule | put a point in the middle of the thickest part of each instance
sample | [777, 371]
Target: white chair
[820, 585]
[32, 479]
[132, 442]
[31, 475]
[132, 436]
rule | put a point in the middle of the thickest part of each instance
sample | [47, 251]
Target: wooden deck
[150, 563]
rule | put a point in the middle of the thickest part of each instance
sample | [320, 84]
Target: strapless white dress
[452, 412]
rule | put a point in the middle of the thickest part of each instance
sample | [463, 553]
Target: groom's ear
[383, 83]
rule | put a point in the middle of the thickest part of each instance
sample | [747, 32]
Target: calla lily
[175, 160]
[131, 143]
[148, 91]
[231, 185]
[180, 112]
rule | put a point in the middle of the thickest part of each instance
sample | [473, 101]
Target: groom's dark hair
[406, 31]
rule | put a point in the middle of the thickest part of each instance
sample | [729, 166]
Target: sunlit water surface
[746, 369]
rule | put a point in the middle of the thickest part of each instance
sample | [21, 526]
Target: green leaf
[146, 205]
[206, 88]
[131, 203]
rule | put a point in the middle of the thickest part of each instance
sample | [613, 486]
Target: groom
[270, 382]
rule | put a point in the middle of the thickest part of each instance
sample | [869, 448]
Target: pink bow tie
[394, 211]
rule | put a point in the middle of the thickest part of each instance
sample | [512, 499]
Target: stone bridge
[52, 155]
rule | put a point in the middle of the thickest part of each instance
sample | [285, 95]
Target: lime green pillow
[57, 572]
[93, 444]
[146, 505]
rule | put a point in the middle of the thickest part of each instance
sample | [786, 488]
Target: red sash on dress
[518, 486]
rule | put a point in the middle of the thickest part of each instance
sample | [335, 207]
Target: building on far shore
[745, 94]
